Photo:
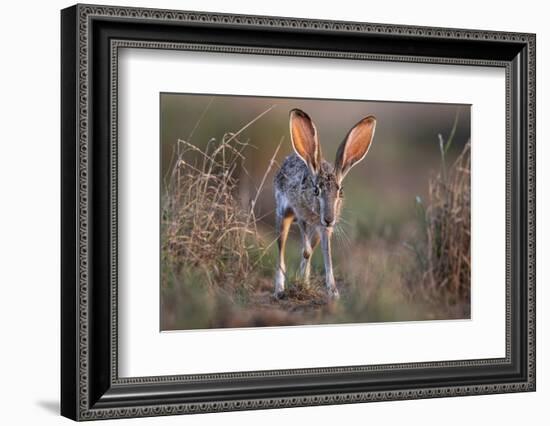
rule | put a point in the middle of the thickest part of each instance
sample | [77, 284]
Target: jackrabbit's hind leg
[310, 239]
[283, 223]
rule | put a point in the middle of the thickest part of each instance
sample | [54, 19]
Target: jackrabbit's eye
[341, 192]
[316, 191]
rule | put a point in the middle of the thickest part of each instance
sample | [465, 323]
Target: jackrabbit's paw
[278, 295]
[333, 293]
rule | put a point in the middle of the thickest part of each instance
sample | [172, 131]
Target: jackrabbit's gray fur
[308, 190]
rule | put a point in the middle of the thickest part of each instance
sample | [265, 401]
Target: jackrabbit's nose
[328, 222]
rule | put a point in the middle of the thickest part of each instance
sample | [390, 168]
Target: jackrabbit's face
[328, 192]
[326, 183]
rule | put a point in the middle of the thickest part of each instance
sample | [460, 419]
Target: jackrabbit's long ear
[355, 146]
[304, 139]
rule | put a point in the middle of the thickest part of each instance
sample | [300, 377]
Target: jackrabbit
[308, 190]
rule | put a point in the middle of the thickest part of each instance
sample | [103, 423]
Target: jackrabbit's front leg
[326, 234]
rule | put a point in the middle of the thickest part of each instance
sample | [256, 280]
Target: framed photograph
[263, 212]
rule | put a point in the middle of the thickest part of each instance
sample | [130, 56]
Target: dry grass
[443, 254]
[204, 224]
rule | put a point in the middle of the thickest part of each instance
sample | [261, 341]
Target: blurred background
[381, 239]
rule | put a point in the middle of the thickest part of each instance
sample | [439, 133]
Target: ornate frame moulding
[91, 39]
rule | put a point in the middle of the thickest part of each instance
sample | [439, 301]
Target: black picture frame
[90, 386]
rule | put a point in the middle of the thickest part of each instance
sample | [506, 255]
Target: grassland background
[373, 266]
